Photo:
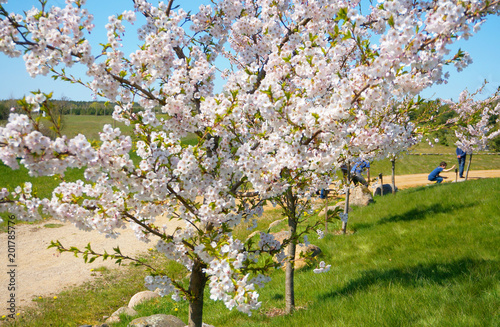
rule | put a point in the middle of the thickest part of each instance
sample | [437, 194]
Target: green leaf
[391, 21]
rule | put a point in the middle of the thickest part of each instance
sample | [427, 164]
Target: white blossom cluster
[323, 267]
[226, 284]
[20, 203]
[163, 283]
[475, 127]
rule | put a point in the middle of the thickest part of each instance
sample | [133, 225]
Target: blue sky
[484, 48]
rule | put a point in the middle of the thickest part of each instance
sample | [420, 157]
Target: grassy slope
[427, 256]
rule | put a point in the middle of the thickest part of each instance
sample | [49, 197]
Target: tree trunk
[290, 261]
[197, 284]
[346, 206]
[393, 161]
[326, 214]
[468, 166]
[290, 271]
[381, 180]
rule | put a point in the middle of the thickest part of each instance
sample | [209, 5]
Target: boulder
[113, 320]
[158, 320]
[277, 222]
[387, 189]
[281, 236]
[340, 205]
[141, 297]
[302, 252]
[360, 196]
[253, 234]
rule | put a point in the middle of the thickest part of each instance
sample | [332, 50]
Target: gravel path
[43, 272]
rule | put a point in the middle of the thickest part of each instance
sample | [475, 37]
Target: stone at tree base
[271, 225]
[308, 251]
[115, 316]
[158, 320]
[126, 310]
[281, 236]
[113, 320]
[340, 205]
[360, 196]
[141, 297]
[253, 234]
[386, 187]
[277, 222]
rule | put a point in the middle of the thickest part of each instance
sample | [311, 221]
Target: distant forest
[66, 107]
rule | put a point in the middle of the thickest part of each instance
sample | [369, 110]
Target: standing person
[357, 170]
[434, 175]
[461, 154]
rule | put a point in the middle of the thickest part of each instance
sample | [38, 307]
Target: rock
[340, 205]
[113, 320]
[126, 310]
[253, 234]
[281, 236]
[322, 212]
[360, 196]
[276, 222]
[302, 252]
[386, 187]
[158, 320]
[115, 316]
[141, 297]
[310, 250]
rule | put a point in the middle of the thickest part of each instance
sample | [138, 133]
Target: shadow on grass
[437, 273]
[424, 212]
[419, 213]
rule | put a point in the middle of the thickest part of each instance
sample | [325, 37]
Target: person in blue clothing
[357, 172]
[461, 154]
[434, 175]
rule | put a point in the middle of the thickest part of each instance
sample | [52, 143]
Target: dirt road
[42, 272]
[406, 181]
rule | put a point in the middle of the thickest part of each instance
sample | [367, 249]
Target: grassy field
[427, 256]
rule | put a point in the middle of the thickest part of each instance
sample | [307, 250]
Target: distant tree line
[445, 135]
[66, 107]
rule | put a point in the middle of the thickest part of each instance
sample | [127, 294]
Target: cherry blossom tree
[475, 123]
[312, 85]
[200, 185]
[321, 92]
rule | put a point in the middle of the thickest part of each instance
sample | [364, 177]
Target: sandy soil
[406, 181]
[44, 272]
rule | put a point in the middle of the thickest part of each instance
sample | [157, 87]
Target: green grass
[89, 125]
[426, 256]
[43, 185]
